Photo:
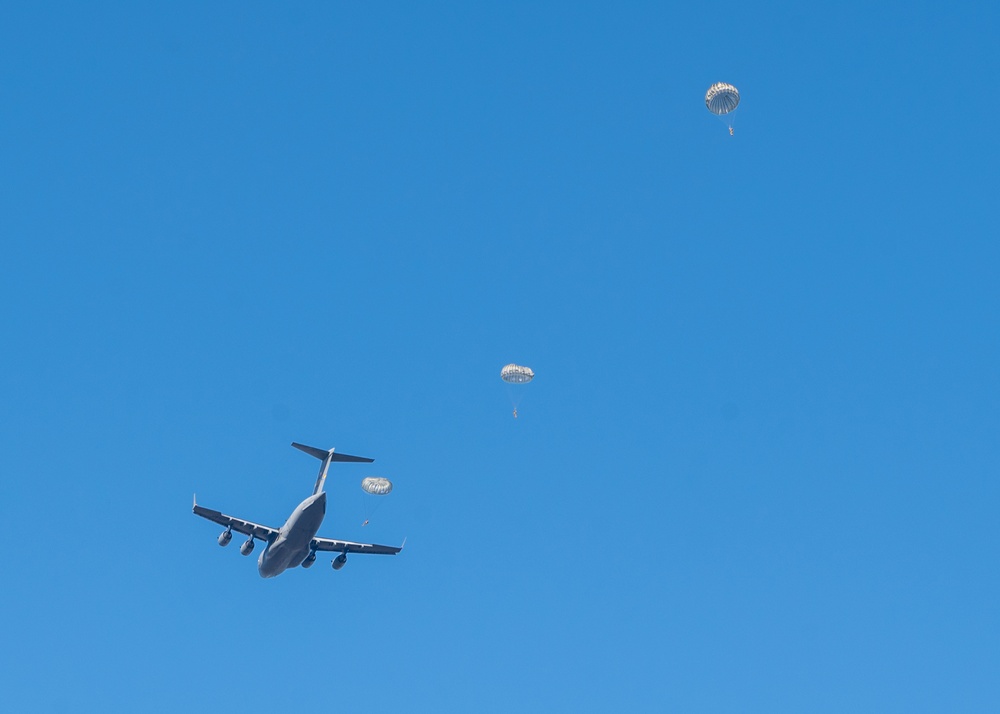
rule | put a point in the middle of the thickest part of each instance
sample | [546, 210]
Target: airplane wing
[345, 546]
[247, 528]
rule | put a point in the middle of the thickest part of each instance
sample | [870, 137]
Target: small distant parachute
[376, 485]
[722, 99]
[516, 374]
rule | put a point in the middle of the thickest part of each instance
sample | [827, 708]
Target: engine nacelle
[247, 547]
[225, 537]
[340, 561]
[310, 559]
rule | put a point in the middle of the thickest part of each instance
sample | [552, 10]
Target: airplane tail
[327, 456]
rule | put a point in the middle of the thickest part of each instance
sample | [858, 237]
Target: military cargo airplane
[295, 543]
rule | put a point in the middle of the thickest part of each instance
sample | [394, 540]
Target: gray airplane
[295, 543]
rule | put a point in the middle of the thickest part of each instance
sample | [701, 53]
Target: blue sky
[757, 469]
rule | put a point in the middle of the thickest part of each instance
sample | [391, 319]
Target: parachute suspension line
[516, 394]
[515, 399]
[370, 512]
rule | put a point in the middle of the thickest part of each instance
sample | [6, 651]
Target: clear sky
[756, 471]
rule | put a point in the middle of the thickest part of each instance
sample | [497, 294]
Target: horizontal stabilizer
[323, 454]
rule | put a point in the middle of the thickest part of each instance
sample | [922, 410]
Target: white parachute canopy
[722, 99]
[516, 374]
[376, 485]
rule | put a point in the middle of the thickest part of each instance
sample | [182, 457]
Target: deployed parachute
[515, 375]
[722, 100]
[376, 485]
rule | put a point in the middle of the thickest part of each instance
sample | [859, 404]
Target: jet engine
[340, 561]
[310, 559]
[247, 548]
[225, 537]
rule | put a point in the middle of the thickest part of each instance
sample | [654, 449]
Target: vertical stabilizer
[321, 478]
[328, 456]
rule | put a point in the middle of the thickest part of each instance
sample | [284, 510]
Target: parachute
[722, 99]
[373, 486]
[515, 375]
[376, 485]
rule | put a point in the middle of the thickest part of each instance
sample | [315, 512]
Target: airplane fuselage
[294, 539]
